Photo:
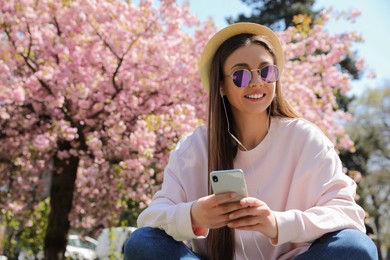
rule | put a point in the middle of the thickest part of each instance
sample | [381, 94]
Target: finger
[251, 202]
[245, 222]
[249, 228]
[229, 207]
[220, 221]
[225, 197]
[261, 214]
[220, 224]
[244, 212]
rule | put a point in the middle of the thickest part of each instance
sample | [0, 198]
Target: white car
[78, 248]
[82, 248]
[111, 241]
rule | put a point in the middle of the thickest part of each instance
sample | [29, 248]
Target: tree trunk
[61, 199]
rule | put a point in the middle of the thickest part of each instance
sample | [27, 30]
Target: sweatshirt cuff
[288, 227]
[184, 224]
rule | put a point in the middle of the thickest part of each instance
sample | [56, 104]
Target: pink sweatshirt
[295, 170]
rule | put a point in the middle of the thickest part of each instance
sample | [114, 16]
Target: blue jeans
[149, 243]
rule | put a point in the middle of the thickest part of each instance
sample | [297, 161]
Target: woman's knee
[343, 244]
[138, 241]
[356, 244]
[153, 243]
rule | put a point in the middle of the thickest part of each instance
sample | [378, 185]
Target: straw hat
[230, 31]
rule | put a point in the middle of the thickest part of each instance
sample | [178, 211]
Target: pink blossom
[355, 12]
[42, 143]
[4, 115]
[360, 64]
[370, 75]
[19, 95]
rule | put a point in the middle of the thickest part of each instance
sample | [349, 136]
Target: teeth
[255, 96]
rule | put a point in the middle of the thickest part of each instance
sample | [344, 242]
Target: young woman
[300, 203]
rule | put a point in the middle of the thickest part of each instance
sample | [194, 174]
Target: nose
[255, 78]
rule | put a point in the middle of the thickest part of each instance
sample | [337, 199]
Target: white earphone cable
[257, 245]
[251, 163]
[242, 246]
[228, 125]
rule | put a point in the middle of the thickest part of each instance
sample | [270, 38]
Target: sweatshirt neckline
[262, 146]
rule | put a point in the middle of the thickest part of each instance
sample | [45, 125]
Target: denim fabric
[344, 244]
[149, 244]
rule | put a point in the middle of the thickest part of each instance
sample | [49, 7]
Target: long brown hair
[222, 149]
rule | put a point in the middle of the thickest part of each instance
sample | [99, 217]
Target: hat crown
[226, 33]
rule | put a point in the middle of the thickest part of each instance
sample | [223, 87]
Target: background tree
[370, 130]
[278, 15]
[95, 94]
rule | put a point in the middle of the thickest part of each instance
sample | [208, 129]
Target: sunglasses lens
[241, 78]
[270, 74]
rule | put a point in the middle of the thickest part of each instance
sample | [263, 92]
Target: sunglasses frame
[251, 77]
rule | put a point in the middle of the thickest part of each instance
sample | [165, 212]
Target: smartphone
[223, 181]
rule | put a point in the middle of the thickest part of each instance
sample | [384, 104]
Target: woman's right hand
[212, 211]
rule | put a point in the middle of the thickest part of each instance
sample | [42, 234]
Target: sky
[373, 25]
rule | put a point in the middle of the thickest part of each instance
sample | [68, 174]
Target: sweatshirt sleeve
[170, 208]
[331, 205]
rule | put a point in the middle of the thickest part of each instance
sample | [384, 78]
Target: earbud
[220, 92]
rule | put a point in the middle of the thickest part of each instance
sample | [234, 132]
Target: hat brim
[238, 28]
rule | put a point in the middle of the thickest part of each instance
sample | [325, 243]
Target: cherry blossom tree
[313, 75]
[95, 94]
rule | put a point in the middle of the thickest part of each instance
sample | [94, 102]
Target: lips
[255, 96]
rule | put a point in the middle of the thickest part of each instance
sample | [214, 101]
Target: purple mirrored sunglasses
[242, 77]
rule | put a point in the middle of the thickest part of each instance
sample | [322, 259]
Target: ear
[221, 92]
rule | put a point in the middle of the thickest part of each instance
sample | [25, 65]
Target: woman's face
[258, 95]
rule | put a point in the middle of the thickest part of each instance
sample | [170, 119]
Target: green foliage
[276, 14]
[129, 216]
[112, 254]
[34, 235]
[26, 234]
[349, 65]
[370, 130]
[343, 101]
[372, 117]
[10, 244]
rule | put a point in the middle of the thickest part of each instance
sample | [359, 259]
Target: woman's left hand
[255, 216]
